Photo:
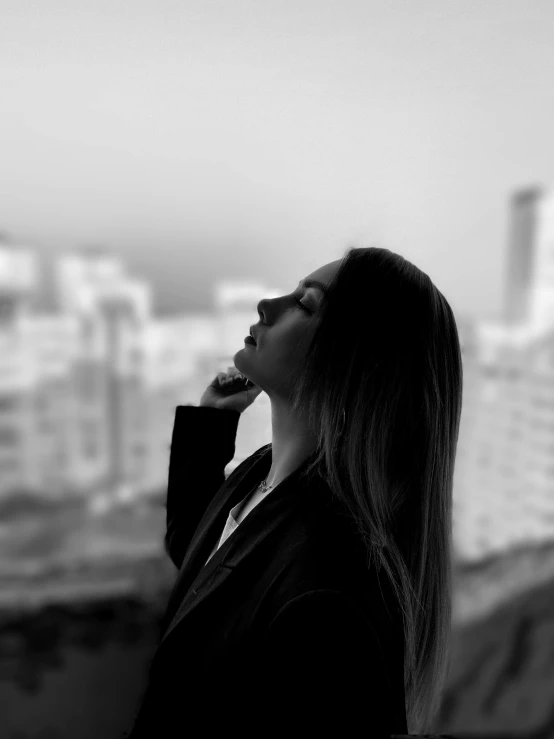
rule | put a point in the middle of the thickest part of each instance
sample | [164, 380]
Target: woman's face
[283, 334]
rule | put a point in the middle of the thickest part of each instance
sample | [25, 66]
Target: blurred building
[504, 482]
[18, 280]
[529, 294]
[88, 391]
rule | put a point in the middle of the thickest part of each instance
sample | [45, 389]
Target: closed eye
[302, 306]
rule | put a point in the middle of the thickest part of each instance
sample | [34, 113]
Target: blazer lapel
[199, 581]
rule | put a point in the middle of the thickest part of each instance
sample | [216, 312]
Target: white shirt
[238, 514]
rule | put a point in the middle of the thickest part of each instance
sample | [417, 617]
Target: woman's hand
[230, 391]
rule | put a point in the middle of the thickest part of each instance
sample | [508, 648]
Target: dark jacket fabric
[285, 631]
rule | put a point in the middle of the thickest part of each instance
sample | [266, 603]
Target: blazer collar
[199, 580]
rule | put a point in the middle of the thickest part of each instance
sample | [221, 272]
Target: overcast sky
[261, 138]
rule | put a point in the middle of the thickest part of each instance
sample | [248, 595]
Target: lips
[252, 334]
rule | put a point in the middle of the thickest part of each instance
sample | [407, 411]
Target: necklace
[263, 487]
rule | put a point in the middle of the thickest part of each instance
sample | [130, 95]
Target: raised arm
[202, 445]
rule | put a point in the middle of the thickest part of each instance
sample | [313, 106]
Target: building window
[88, 379]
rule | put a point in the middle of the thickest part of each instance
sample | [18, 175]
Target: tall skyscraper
[529, 294]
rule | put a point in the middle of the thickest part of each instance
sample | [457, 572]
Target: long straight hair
[382, 391]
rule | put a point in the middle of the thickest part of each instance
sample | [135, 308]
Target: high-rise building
[504, 466]
[88, 392]
[18, 280]
[529, 294]
[505, 461]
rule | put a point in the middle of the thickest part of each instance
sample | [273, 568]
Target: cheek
[298, 346]
[288, 345]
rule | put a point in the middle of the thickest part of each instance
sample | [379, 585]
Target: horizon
[207, 141]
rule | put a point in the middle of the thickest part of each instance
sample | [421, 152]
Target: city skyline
[88, 392]
[167, 304]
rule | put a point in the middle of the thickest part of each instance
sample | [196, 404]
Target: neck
[291, 443]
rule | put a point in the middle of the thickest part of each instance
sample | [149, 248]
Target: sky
[258, 139]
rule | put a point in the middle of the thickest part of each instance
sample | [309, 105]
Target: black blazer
[285, 632]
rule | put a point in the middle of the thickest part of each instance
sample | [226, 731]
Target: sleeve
[202, 445]
[323, 670]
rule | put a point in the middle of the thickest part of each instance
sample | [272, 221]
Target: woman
[314, 593]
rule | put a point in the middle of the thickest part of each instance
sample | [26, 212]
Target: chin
[238, 355]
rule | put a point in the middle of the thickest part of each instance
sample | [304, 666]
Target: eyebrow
[313, 283]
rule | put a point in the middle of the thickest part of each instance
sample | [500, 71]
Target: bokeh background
[164, 166]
